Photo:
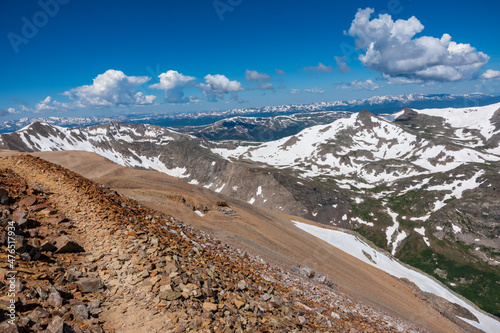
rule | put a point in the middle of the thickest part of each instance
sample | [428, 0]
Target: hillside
[90, 259]
[269, 235]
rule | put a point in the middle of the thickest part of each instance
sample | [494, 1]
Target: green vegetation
[414, 203]
[477, 281]
[370, 211]
[376, 236]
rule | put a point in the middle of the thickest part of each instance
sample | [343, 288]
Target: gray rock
[55, 300]
[56, 325]
[42, 293]
[80, 311]
[4, 197]
[94, 307]
[242, 285]
[89, 285]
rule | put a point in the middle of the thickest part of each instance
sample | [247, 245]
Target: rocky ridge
[130, 268]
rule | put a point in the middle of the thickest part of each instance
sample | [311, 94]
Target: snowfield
[354, 246]
[323, 150]
[477, 118]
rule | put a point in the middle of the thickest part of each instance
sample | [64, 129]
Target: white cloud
[314, 91]
[254, 76]
[48, 104]
[112, 88]
[320, 68]
[490, 74]
[358, 85]
[391, 49]
[173, 83]
[400, 79]
[12, 110]
[294, 91]
[218, 85]
[342, 64]
[44, 105]
[280, 72]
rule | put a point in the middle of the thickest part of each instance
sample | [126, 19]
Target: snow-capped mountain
[376, 104]
[422, 184]
[367, 148]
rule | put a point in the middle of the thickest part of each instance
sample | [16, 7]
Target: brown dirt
[262, 232]
[156, 274]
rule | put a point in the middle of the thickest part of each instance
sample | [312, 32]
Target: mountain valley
[422, 185]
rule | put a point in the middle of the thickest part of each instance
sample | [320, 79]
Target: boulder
[89, 285]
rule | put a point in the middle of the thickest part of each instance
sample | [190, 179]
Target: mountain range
[377, 104]
[421, 184]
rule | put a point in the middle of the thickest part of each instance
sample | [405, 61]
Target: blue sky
[76, 58]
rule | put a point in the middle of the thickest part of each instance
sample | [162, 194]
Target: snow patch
[354, 246]
[456, 228]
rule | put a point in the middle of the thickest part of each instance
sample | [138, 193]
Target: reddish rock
[59, 218]
[28, 201]
[18, 216]
[39, 207]
[65, 244]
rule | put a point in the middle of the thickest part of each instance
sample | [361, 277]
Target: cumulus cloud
[49, 104]
[314, 91]
[218, 85]
[320, 68]
[280, 72]
[490, 74]
[254, 76]
[112, 88]
[342, 64]
[173, 84]
[358, 85]
[44, 105]
[294, 91]
[392, 49]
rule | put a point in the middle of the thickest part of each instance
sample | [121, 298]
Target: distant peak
[365, 116]
[408, 114]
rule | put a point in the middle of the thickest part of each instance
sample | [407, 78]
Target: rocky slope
[90, 260]
[421, 184]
